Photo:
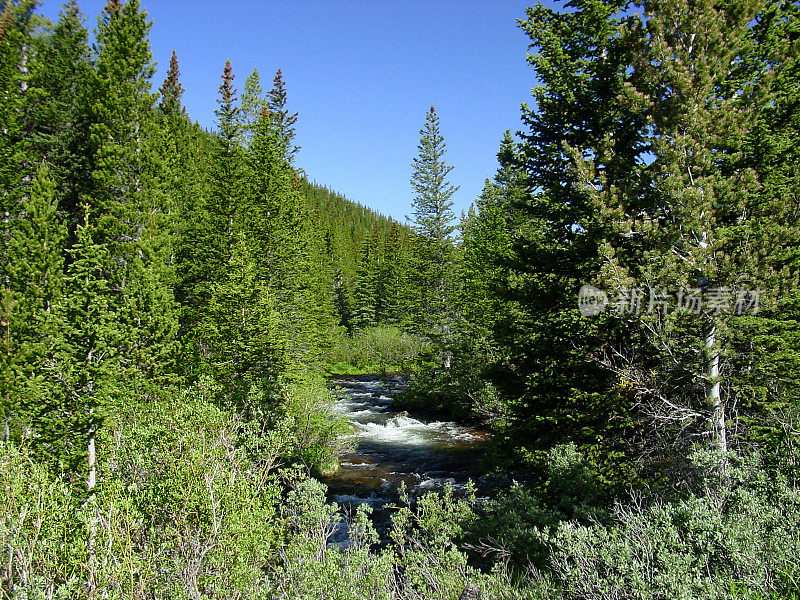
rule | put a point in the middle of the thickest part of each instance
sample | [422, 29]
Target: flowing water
[394, 447]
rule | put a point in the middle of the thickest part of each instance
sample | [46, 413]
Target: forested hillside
[619, 308]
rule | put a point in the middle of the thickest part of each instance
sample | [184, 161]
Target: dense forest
[619, 308]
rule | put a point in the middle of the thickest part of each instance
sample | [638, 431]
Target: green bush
[738, 539]
[373, 350]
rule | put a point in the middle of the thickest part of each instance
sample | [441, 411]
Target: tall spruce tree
[59, 107]
[171, 90]
[280, 119]
[207, 241]
[694, 232]
[554, 391]
[434, 222]
[35, 285]
[133, 210]
[252, 105]
[292, 250]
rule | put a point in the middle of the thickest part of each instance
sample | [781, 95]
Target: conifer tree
[367, 293]
[292, 250]
[59, 107]
[122, 103]
[280, 120]
[252, 105]
[35, 285]
[228, 112]
[83, 372]
[133, 211]
[434, 222]
[15, 47]
[207, 241]
[580, 60]
[245, 335]
[693, 230]
[171, 90]
[395, 278]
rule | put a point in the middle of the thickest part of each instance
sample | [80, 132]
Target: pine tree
[83, 375]
[253, 104]
[395, 278]
[35, 285]
[245, 335]
[693, 230]
[554, 391]
[82, 369]
[207, 240]
[171, 90]
[433, 221]
[292, 250]
[128, 194]
[59, 108]
[280, 120]
[367, 293]
[121, 104]
[16, 23]
[228, 112]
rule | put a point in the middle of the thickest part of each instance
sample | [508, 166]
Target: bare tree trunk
[23, 69]
[90, 485]
[713, 397]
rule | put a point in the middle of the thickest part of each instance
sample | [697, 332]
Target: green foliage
[171, 90]
[433, 222]
[738, 538]
[169, 297]
[58, 104]
[35, 284]
[373, 350]
[281, 121]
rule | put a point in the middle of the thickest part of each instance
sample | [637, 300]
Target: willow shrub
[373, 350]
[736, 537]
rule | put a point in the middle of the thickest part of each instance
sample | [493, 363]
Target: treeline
[370, 255]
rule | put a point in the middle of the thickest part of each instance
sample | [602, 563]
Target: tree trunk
[90, 501]
[714, 402]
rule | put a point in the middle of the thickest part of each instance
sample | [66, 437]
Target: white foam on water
[353, 499]
[453, 430]
[390, 432]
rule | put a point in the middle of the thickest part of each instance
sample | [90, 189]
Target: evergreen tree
[395, 278]
[121, 104]
[291, 254]
[171, 90]
[367, 288]
[58, 107]
[554, 391]
[253, 103]
[244, 332]
[696, 229]
[280, 120]
[82, 369]
[433, 222]
[133, 211]
[35, 285]
[228, 112]
[16, 23]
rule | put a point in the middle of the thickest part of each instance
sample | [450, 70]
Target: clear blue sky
[361, 75]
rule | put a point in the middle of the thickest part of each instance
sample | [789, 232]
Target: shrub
[374, 350]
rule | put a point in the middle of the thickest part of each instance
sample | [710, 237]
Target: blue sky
[361, 75]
